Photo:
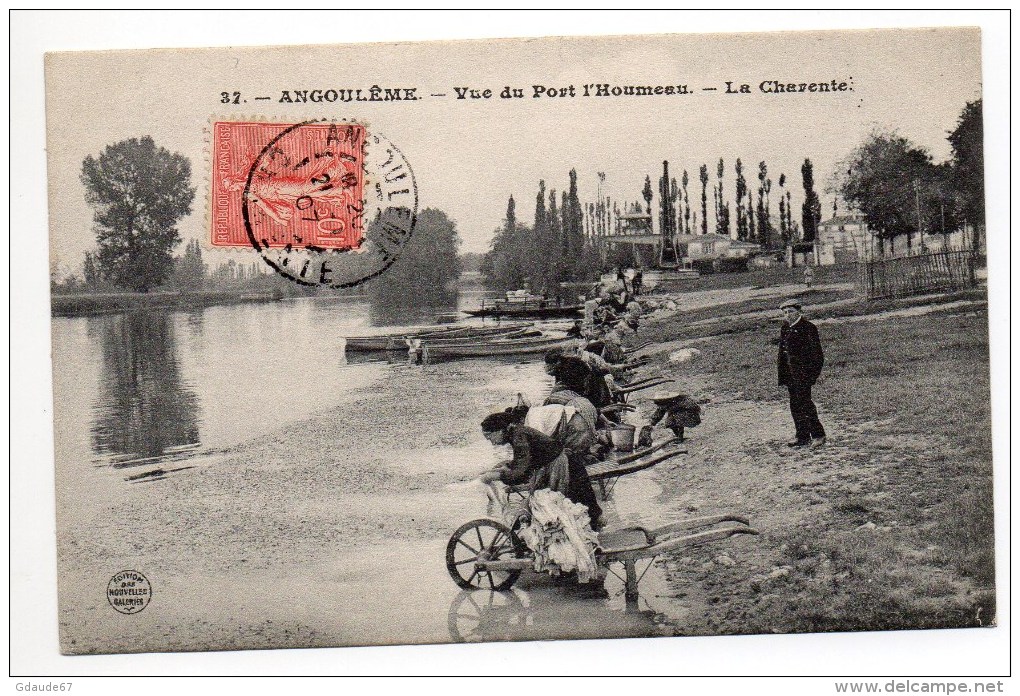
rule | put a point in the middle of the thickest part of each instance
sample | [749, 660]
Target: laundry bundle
[560, 535]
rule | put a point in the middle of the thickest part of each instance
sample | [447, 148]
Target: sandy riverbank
[326, 531]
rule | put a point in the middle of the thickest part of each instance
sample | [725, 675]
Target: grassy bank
[778, 275]
[752, 315]
[890, 526]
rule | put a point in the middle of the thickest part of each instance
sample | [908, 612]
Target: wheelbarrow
[486, 554]
[635, 349]
[605, 474]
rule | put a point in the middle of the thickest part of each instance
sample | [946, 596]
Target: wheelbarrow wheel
[482, 539]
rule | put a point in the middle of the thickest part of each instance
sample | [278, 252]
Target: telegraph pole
[917, 201]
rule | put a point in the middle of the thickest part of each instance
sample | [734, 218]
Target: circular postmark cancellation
[324, 203]
[129, 592]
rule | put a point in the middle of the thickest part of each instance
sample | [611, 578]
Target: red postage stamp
[295, 187]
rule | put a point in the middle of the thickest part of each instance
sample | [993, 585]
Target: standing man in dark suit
[800, 363]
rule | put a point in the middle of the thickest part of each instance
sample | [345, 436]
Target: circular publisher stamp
[129, 592]
[324, 203]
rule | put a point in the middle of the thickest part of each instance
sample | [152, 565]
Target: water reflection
[144, 410]
[382, 313]
[194, 321]
[549, 610]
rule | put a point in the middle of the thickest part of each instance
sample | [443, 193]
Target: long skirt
[570, 477]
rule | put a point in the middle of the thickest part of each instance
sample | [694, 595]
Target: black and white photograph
[664, 336]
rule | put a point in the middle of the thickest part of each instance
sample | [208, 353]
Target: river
[279, 494]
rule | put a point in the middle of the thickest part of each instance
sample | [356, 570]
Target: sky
[470, 155]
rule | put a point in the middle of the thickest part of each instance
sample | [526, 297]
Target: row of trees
[557, 247]
[754, 219]
[903, 193]
[567, 239]
[187, 272]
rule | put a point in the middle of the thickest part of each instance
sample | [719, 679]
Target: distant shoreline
[89, 304]
[92, 304]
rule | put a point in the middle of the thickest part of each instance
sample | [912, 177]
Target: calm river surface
[311, 493]
[150, 387]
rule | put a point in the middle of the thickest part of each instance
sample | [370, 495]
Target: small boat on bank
[398, 341]
[529, 310]
[492, 348]
[414, 344]
[269, 296]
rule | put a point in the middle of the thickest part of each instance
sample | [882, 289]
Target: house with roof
[844, 239]
[700, 247]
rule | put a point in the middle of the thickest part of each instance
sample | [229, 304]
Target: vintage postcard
[514, 340]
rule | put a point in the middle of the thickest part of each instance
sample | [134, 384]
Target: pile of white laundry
[560, 535]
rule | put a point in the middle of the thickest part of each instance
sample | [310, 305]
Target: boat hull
[398, 341]
[492, 348]
[530, 313]
[415, 344]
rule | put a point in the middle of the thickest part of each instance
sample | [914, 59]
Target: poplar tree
[553, 250]
[811, 209]
[764, 184]
[703, 176]
[540, 233]
[784, 230]
[752, 233]
[741, 192]
[687, 205]
[573, 225]
[722, 224]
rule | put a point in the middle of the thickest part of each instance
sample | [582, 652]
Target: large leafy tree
[428, 267]
[139, 193]
[967, 141]
[885, 178]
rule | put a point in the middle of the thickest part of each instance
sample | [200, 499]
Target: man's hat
[790, 303]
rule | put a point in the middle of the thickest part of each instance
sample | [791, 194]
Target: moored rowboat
[506, 332]
[508, 310]
[382, 341]
[493, 348]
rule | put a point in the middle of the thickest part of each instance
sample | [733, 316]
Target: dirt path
[689, 301]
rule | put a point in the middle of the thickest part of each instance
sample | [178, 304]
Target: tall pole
[917, 200]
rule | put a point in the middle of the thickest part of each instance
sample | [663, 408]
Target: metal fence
[913, 275]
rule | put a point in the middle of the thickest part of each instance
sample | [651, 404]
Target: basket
[623, 438]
